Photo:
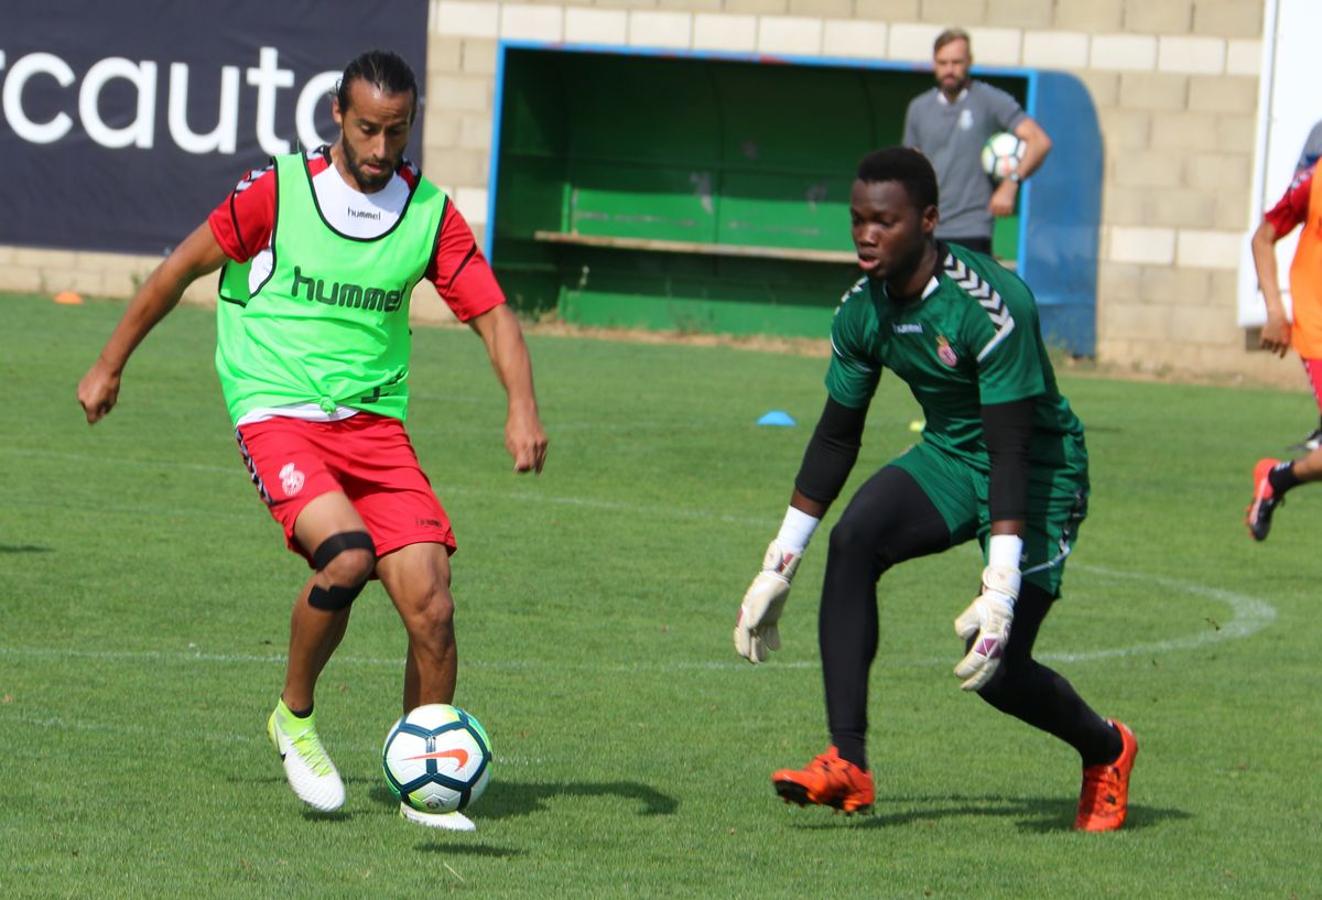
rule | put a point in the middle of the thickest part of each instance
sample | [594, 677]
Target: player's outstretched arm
[985, 624]
[1007, 429]
[757, 629]
[826, 465]
[196, 256]
[1275, 334]
[524, 438]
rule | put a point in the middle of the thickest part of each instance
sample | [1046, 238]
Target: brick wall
[1175, 83]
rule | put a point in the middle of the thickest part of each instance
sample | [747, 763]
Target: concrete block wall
[1175, 83]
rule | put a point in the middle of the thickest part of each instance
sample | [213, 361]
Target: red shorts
[1313, 368]
[366, 457]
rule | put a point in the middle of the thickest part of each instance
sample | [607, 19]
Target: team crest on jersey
[291, 479]
[945, 352]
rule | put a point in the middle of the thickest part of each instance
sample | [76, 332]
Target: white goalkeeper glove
[756, 632]
[987, 622]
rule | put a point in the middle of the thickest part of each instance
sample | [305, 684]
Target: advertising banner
[123, 124]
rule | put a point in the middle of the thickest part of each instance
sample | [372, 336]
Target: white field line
[444, 490]
[1248, 615]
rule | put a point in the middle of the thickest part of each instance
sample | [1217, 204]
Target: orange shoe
[1104, 800]
[829, 781]
[1258, 517]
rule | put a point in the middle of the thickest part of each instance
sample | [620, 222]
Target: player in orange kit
[1301, 205]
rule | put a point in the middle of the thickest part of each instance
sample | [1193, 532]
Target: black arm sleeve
[831, 453]
[1008, 430]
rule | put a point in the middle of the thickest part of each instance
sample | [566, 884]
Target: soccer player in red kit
[321, 252]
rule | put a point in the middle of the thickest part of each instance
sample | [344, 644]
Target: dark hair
[906, 166]
[384, 70]
[949, 36]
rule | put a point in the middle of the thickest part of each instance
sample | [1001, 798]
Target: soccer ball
[1001, 154]
[437, 758]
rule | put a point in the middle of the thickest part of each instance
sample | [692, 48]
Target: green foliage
[144, 610]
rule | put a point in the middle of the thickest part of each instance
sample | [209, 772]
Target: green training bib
[330, 323]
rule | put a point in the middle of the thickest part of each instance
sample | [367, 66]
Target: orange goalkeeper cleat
[828, 780]
[1104, 800]
[1258, 517]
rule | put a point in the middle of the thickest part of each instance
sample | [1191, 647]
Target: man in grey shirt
[949, 124]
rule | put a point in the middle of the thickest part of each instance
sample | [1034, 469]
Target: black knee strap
[336, 544]
[333, 598]
[337, 597]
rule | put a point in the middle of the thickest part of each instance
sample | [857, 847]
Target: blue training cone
[777, 417]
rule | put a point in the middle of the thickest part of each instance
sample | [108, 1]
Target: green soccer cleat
[309, 769]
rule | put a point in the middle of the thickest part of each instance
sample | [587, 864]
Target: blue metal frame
[1067, 300]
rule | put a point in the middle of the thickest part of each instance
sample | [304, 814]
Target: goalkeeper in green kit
[1002, 459]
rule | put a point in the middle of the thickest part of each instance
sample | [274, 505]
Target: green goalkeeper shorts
[1057, 505]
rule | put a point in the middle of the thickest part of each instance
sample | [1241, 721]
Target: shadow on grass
[509, 799]
[339, 816]
[451, 848]
[1039, 815]
[1058, 815]
[279, 778]
[24, 548]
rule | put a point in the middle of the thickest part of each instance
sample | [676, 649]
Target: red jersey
[242, 225]
[1292, 209]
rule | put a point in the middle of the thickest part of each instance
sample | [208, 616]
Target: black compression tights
[890, 520]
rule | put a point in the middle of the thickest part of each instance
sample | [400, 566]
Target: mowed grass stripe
[595, 607]
[1248, 615]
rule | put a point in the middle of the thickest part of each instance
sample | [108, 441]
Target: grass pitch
[144, 606]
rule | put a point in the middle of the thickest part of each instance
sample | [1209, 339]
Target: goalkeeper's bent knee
[338, 596]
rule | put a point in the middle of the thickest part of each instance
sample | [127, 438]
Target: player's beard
[952, 86]
[367, 182]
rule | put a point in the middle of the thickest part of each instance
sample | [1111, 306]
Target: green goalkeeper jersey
[971, 340]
